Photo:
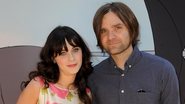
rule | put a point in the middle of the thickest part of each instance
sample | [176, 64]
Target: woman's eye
[63, 53]
[76, 49]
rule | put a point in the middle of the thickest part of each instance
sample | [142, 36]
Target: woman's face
[69, 62]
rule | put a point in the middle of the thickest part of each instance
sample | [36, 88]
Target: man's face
[115, 37]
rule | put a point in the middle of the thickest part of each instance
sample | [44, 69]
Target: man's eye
[102, 31]
[118, 27]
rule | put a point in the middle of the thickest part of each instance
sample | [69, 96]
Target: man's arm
[170, 86]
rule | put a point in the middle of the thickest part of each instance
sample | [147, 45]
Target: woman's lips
[71, 65]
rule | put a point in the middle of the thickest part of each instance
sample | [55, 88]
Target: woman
[62, 73]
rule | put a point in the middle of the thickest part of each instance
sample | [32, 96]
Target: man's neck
[120, 59]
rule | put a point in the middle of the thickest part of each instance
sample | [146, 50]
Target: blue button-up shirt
[146, 79]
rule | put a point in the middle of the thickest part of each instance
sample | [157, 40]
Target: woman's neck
[66, 81]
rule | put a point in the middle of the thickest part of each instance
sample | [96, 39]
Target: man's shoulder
[153, 57]
[99, 70]
[157, 60]
[102, 64]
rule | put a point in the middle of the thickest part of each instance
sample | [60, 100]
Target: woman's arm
[30, 94]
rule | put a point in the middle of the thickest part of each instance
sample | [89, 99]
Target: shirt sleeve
[170, 86]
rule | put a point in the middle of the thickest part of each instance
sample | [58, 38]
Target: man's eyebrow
[119, 24]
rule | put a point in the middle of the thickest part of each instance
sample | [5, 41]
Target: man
[128, 76]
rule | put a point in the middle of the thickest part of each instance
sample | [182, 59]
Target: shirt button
[122, 75]
[122, 91]
[129, 66]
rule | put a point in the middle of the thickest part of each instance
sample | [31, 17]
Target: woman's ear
[54, 61]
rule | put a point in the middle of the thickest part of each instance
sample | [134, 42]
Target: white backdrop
[28, 22]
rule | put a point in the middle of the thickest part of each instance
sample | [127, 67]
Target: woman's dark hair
[126, 16]
[49, 70]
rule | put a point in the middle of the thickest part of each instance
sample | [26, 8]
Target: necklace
[69, 96]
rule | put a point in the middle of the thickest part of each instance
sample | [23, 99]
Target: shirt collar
[132, 60]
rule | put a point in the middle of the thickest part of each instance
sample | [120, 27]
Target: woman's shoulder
[37, 82]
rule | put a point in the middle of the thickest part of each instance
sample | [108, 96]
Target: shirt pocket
[146, 97]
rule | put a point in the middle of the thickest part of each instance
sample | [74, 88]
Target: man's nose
[111, 35]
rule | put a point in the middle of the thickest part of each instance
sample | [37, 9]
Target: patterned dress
[57, 95]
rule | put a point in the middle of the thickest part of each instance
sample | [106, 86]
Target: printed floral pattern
[55, 95]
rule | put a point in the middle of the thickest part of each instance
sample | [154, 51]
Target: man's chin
[114, 52]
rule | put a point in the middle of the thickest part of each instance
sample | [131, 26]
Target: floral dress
[56, 95]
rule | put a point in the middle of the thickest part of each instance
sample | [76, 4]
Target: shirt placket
[123, 91]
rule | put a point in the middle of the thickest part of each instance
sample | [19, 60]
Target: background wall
[28, 22]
